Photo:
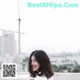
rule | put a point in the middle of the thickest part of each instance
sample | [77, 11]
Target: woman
[39, 66]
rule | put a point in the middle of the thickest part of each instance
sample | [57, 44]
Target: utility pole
[19, 43]
[19, 36]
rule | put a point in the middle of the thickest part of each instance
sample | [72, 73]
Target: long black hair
[44, 62]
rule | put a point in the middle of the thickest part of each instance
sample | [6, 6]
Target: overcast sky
[53, 30]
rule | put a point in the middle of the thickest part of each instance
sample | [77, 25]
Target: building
[8, 46]
[0, 46]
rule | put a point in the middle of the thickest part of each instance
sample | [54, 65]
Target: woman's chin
[34, 70]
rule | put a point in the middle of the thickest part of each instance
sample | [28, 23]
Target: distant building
[8, 48]
[61, 60]
[0, 46]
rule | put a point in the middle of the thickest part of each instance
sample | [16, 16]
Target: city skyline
[53, 30]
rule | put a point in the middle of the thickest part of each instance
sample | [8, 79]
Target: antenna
[18, 9]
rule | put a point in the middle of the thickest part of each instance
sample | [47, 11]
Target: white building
[8, 46]
[0, 46]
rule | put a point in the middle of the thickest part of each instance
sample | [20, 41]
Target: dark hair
[44, 62]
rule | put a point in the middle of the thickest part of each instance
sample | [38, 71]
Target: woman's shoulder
[42, 78]
[51, 78]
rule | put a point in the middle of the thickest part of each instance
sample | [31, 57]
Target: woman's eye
[34, 60]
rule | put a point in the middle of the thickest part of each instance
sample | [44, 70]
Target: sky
[53, 30]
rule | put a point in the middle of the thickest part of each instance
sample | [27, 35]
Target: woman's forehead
[33, 57]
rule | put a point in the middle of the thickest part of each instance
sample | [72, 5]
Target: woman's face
[35, 65]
